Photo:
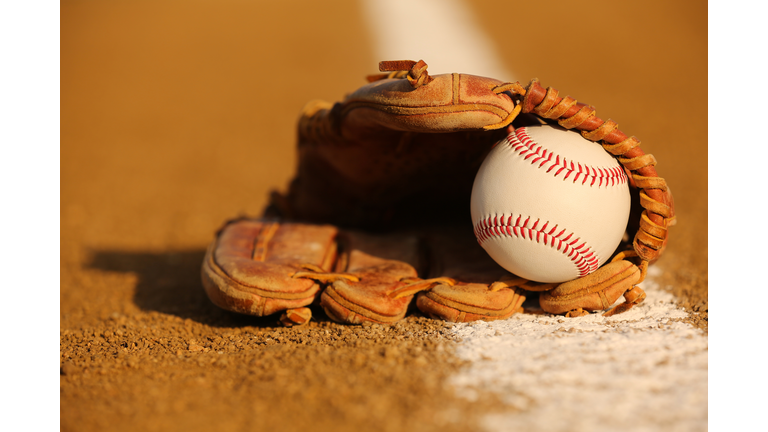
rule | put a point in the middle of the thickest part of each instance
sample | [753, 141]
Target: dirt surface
[161, 372]
[177, 115]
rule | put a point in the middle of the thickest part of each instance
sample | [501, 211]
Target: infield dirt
[176, 116]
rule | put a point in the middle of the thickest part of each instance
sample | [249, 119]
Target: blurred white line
[443, 33]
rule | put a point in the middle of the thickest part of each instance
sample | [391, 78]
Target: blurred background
[178, 115]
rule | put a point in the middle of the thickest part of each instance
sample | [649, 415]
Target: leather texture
[378, 211]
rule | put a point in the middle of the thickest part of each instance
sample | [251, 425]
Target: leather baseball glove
[378, 212]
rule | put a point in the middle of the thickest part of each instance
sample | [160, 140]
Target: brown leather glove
[378, 211]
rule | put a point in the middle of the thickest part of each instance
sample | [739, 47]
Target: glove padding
[378, 211]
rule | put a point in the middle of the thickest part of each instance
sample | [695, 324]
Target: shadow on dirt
[169, 283]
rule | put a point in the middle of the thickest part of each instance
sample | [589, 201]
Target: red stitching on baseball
[523, 144]
[582, 255]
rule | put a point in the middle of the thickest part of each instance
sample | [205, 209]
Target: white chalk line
[636, 371]
[443, 33]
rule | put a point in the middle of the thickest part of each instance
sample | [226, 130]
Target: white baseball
[549, 205]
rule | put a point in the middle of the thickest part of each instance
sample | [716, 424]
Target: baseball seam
[525, 146]
[563, 241]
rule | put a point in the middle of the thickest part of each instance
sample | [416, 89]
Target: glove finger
[596, 291]
[381, 265]
[470, 302]
[249, 268]
[455, 254]
[447, 103]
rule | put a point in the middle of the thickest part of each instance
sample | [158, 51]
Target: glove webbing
[658, 214]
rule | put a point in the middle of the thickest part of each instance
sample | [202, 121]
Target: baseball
[549, 205]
